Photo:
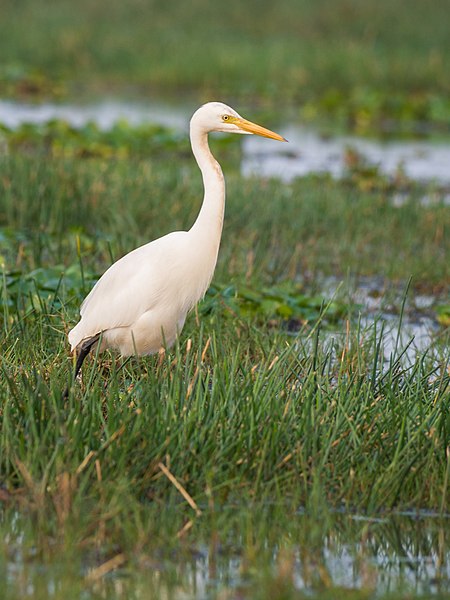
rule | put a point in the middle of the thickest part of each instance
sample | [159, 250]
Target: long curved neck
[208, 225]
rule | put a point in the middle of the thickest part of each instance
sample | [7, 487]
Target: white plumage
[140, 303]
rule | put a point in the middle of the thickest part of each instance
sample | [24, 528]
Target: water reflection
[385, 555]
[381, 555]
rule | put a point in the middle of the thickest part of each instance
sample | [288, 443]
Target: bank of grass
[363, 62]
[140, 461]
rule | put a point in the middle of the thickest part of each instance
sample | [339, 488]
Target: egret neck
[208, 226]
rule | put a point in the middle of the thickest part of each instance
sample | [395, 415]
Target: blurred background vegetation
[358, 60]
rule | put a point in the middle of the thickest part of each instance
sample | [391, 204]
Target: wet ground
[308, 150]
[407, 552]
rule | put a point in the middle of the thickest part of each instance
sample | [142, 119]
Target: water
[407, 553]
[104, 113]
[308, 151]
[409, 334]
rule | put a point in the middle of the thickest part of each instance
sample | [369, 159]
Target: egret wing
[131, 286]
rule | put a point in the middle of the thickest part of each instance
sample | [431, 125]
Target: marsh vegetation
[293, 443]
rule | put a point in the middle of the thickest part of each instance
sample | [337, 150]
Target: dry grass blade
[185, 528]
[180, 488]
[85, 462]
[106, 567]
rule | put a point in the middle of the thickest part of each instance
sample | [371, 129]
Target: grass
[365, 63]
[111, 202]
[274, 419]
[241, 419]
[242, 422]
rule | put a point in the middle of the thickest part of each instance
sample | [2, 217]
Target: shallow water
[307, 152]
[407, 333]
[408, 553]
[104, 113]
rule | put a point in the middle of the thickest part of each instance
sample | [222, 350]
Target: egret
[140, 303]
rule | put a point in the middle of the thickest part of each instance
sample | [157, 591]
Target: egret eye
[225, 118]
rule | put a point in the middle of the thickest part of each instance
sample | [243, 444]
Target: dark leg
[86, 347]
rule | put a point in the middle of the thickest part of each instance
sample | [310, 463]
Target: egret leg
[84, 350]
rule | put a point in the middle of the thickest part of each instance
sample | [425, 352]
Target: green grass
[362, 62]
[113, 202]
[250, 421]
[239, 411]
[241, 417]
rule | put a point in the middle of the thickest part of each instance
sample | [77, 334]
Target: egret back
[165, 278]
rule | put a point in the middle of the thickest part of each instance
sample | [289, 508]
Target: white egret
[140, 303]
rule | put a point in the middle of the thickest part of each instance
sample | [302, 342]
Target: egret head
[216, 116]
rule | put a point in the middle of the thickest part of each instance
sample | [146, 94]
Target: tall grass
[272, 232]
[143, 460]
[233, 411]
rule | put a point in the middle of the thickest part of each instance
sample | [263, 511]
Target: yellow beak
[257, 129]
